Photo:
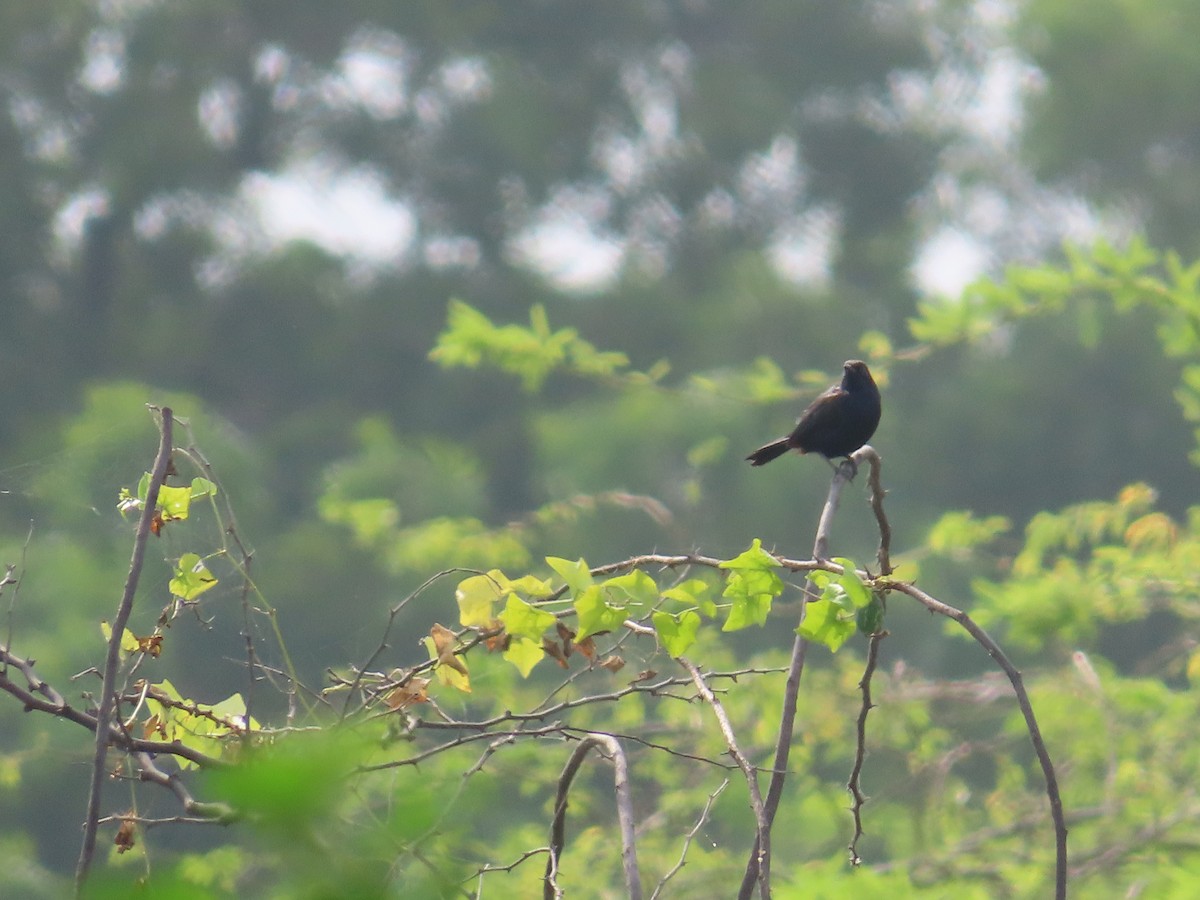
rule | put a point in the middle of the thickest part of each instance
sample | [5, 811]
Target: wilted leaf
[407, 695]
[555, 651]
[498, 639]
[151, 644]
[451, 670]
[567, 636]
[444, 643]
[125, 838]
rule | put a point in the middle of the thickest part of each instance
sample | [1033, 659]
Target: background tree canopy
[469, 285]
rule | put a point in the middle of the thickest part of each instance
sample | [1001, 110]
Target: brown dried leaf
[407, 695]
[124, 839]
[151, 644]
[567, 636]
[444, 642]
[498, 641]
[613, 663]
[587, 647]
[555, 652]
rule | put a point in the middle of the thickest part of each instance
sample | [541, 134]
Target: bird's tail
[768, 452]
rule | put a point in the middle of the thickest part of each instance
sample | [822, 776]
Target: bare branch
[488, 867]
[149, 771]
[791, 691]
[1035, 735]
[395, 611]
[762, 839]
[688, 838]
[112, 660]
[552, 728]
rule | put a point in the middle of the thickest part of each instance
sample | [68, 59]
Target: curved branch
[633, 883]
[1035, 735]
[688, 838]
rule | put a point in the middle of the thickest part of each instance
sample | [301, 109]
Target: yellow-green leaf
[192, 577]
[524, 654]
[523, 620]
[477, 598]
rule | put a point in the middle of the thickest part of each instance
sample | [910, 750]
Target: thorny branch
[1035, 735]
[791, 693]
[688, 838]
[367, 686]
[762, 838]
[860, 753]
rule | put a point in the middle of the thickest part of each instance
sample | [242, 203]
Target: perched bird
[835, 424]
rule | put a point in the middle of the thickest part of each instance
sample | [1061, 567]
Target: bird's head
[855, 374]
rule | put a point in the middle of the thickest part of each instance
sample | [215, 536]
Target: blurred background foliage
[641, 235]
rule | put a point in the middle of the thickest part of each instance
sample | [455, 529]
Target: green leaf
[143, 488]
[765, 382]
[192, 578]
[522, 620]
[751, 587]
[174, 501]
[529, 585]
[202, 487]
[677, 633]
[128, 642]
[828, 621]
[477, 597]
[694, 592]
[859, 594]
[751, 594]
[594, 614]
[524, 654]
[195, 725]
[754, 558]
[631, 591]
[576, 574]
[869, 618]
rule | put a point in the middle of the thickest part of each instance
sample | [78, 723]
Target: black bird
[835, 424]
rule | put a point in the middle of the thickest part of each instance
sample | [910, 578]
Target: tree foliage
[500, 590]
